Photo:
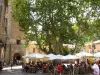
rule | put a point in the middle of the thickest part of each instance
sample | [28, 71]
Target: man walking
[11, 64]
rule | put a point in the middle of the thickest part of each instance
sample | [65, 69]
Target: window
[33, 50]
[18, 42]
[93, 46]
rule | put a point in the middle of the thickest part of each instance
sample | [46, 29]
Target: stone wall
[90, 49]
[2, 25]
[2, 15]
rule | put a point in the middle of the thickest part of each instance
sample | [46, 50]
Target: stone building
[96, 46]
[93, 47]
[15, 40]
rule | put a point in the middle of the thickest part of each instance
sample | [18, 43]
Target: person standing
[0, 64]
[95, 68]
[76, 69]
[60, 69]
[11, 64]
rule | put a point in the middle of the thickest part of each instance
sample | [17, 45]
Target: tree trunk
[57, 46]
[60, 45]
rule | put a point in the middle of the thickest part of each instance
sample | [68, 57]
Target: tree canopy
[53, 23]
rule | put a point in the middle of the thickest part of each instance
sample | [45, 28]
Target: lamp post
[1, 46]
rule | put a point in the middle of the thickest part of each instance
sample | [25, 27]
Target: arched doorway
[16, 58]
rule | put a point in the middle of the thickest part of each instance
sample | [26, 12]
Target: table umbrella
[97, 54]
[82, 54]
[67, 57]
[35, 56]
[54, 57]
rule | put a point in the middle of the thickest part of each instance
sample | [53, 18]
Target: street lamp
[1, 44]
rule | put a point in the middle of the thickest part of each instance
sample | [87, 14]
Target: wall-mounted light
[1, 43]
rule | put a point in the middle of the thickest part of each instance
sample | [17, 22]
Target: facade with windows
[93, 47]
[96, 46]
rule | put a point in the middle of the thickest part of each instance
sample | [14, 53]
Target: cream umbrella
[97, 54]
[26, 56]
[35, 56]
[67, 57]
[54, 57]
[82, 54]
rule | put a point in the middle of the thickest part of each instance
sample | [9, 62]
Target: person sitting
[82, 68]
[76, 69]
[44, 68]
[26, 67]
[51, 68]
[40, 66]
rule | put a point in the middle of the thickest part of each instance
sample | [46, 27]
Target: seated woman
[40, 66]
[51, 68]
[82, 69]
[26, 67]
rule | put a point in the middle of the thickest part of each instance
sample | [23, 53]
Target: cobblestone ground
[16, 70]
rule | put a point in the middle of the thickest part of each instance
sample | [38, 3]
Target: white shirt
[96, 69]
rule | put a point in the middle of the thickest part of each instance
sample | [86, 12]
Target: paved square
[17, 70]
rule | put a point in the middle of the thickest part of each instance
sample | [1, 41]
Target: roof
[98, 41]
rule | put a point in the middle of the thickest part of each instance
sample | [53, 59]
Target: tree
[61, 21]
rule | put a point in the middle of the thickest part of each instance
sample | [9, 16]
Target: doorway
[16, 58]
